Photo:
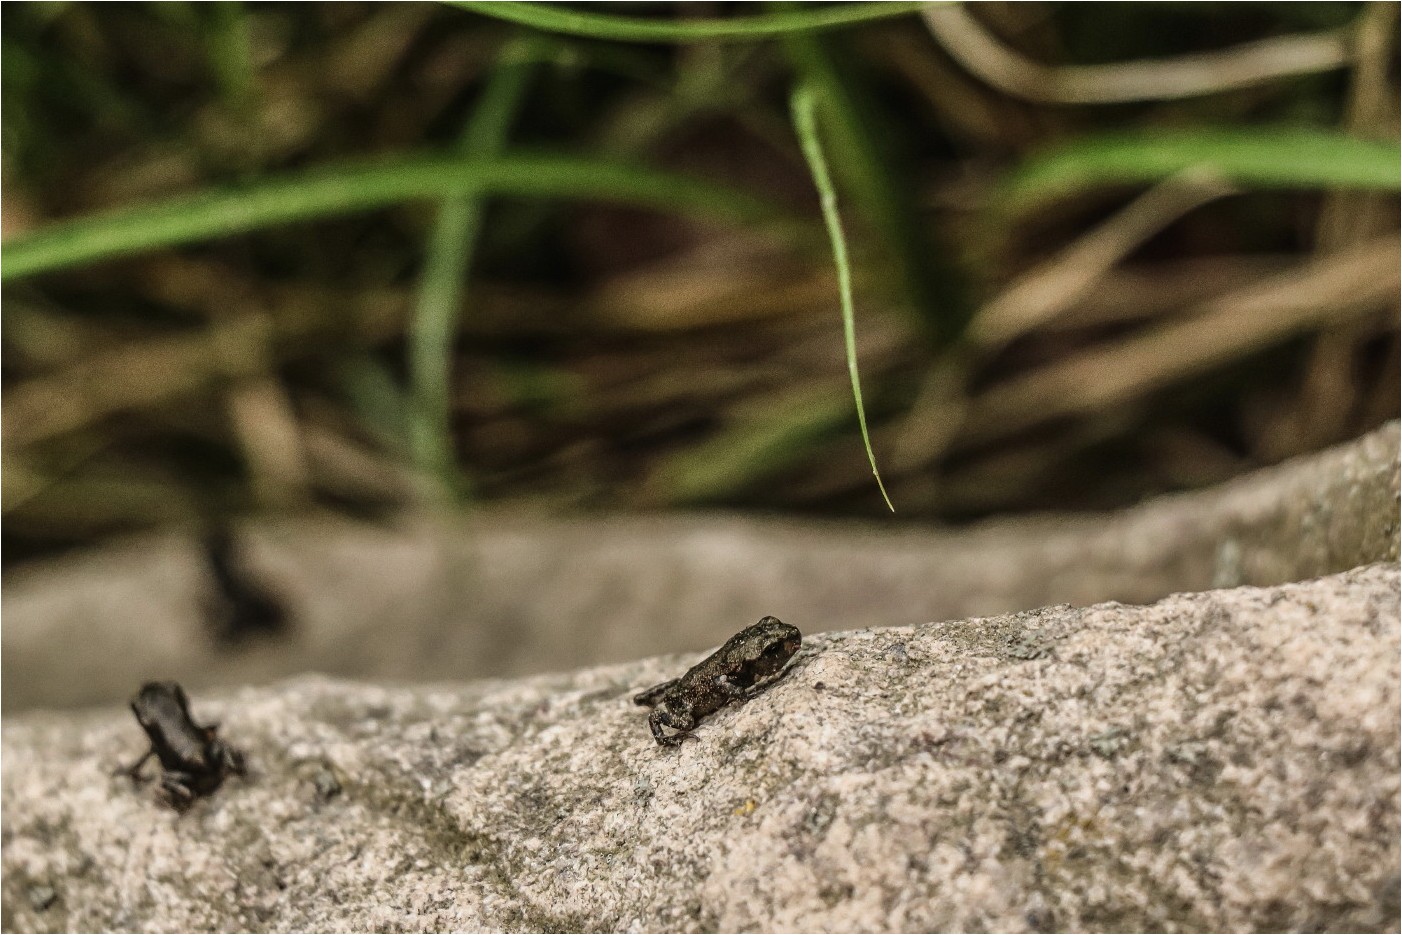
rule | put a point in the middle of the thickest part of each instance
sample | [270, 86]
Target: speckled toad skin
[747, 663]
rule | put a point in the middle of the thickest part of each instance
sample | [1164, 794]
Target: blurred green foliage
[354, 255]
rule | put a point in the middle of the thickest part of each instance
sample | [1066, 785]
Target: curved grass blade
[590, 25]
[1261, 158]
[346, 189]
[879, 191]
[450, 252]
[805, 117]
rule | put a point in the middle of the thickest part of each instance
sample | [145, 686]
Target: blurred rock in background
[1099, 253]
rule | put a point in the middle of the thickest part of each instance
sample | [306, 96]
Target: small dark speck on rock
[1040, 920]
[1110, 742]
[41, 896]
[1352, 755]
[927, 740]
[326, 784]
[1028, 646]
[819, 686]
[322, 776]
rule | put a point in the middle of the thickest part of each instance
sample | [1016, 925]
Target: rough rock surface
[1225, 760]
[506, 595]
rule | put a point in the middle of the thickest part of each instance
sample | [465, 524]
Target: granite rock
[1224, 760]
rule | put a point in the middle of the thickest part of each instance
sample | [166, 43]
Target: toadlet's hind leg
[653, 695]
[175, 791]
[663, 718]
[133, 772]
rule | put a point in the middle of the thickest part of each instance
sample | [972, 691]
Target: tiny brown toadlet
[747, 664]
[194, 761]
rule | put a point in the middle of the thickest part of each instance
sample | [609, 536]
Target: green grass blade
[346, 189]
[805, 118]
[932, 286]
[1257, 158]
[591, 25]
[450, 251]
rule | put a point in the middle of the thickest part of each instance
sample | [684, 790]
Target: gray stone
[495, 595]
[1225, 760]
